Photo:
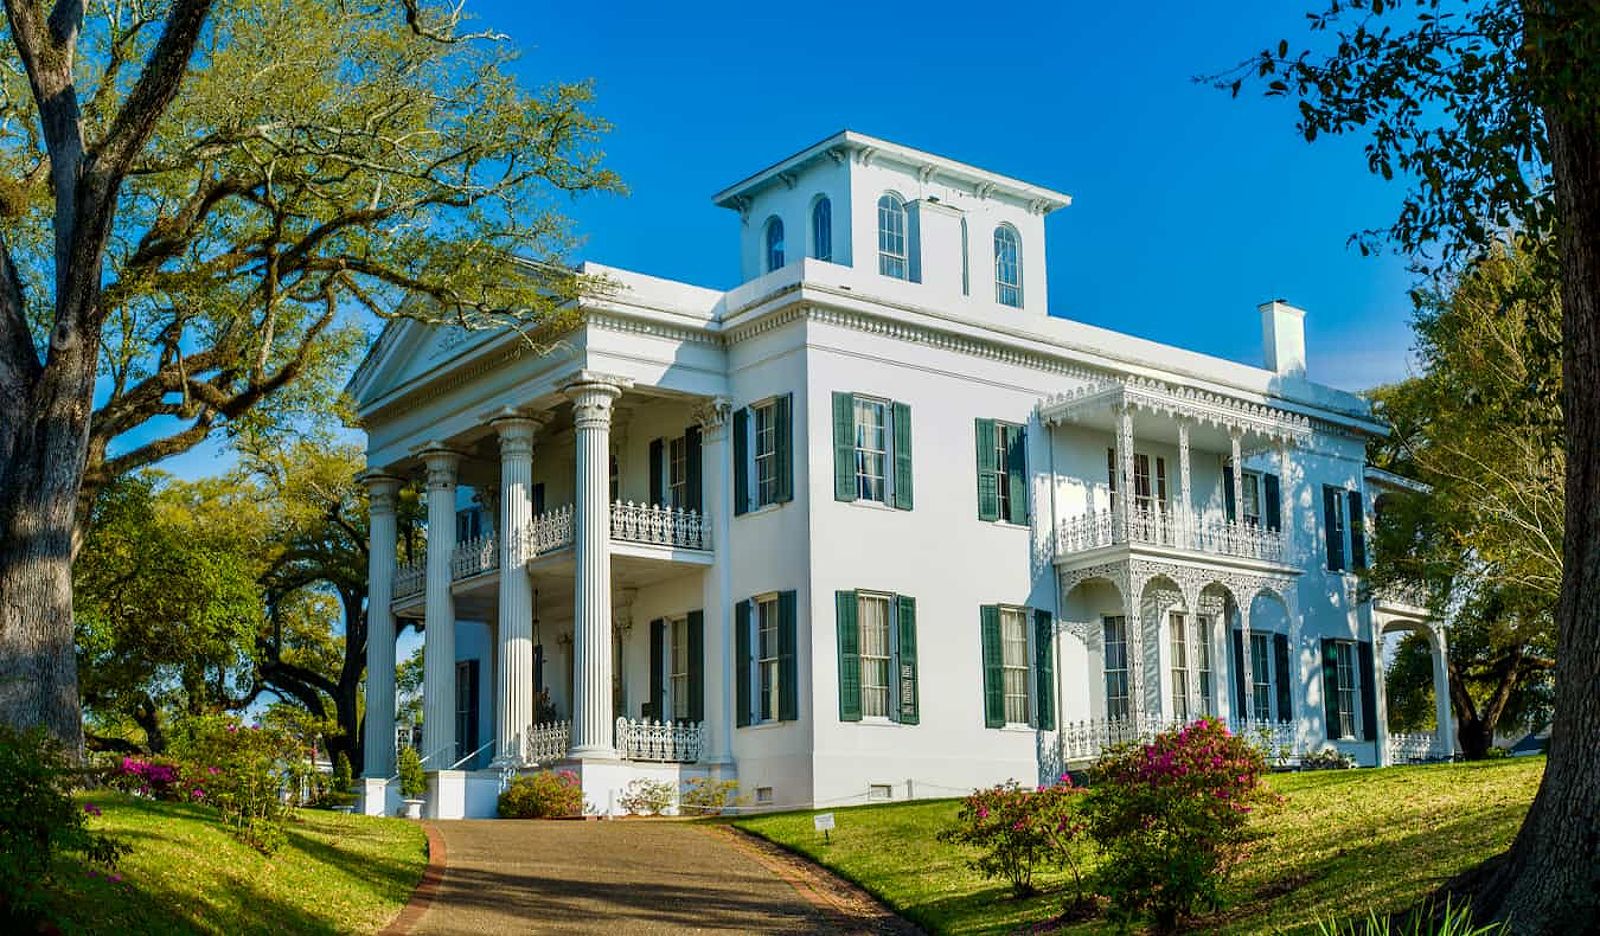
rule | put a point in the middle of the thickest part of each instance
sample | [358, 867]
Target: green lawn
[1342, 841]
[335, 874]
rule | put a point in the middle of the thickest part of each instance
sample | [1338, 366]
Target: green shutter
[692, 470]
[1274, 502]
[1044, 669]
[1369, 692]
[697, 666]
[741, 461]
[658, 484]
[1229, 501]
[1330, 688]
[1017, 473]
[844, 447]
[1280, 657]
[784, 444]
[788, 666]
[1333, 536]
[994, 688]
[1239, 688]
[1358, 530]
[741, 657]
[849, 657]
[902, 456]
[988, 495]
[906, 659]
[658, 666]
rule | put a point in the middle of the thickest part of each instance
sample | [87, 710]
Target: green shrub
[704, 796]
[1016, 830]
[413, 782]
[244, 771]
[1171, 818]
[543, 795]
[1329, 758]
[39, 820]
[647, 797]
[1455, 921]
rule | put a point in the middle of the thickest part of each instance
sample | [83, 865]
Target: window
[872, 450]
[1116, 666]
[763, 795]
[873, 620]
[1202, 664]
[1014, 663]
[1007, 266]
[1333, 507]
[1149, 491]
[1142, 498]
[1250, 499]
[1002, 471]
[466, 709]
[469, 524]
[822, 229]
[678, 669]
[877, 792]
[766, 613]
[1261, 675]
[764, 426]
[774, 244]
[678, 472]
[893, 258]
[1111, 476]
[615, 476]
[1344, 658]
[1178, 625]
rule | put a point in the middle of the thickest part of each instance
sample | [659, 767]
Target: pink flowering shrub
[1016, 830]
[1171, 819]
[243, 770]
[153, 777]
[543, 795]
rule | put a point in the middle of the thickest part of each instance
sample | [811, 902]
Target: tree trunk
[1549, 882]
[1475, 737]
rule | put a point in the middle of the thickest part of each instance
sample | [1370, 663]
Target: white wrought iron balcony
[658, 525]
[546, 741]
[474, 557]
[1147, 526]
[668, 742]
[550, 531]
[410, 577]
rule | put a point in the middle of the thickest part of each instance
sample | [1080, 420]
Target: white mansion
[871, 525]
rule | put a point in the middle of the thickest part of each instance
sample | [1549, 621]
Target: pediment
[409, 352]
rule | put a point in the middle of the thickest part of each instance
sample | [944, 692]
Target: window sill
[765, 725]
[763, 509]
[1017, 728]
[874, 505]
[1007, 524]
[876, 721]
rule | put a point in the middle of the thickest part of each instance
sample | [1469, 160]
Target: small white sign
[823, 821]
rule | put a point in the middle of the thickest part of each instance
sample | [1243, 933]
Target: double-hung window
[677, 668]
[1014, 663]
[894, 259]
[1007, 266]
[1341, 683]
[767, 657]
[872, 450]
[1178, 649]
[1202, 664]
[877, 656]
[763, 470]
[675, 467]
[822, 228]
[1257, 503]
[678, 473]
[1261, 675]
[1002, 471]
[678, 671]
[1115, 630]
[1250, 498]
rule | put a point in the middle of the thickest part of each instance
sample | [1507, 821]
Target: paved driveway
[614, 878]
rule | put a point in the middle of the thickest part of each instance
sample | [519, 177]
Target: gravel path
[634, 877]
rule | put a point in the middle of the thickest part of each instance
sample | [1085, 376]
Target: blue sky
[1189, 207]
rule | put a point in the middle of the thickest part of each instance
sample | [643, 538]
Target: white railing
[664, 526]
[1412, 748]
[546, 741]
[650, 740]
[410, 577]
[550, 531]
[1087, 740]
[474, 557]
[1152, 526]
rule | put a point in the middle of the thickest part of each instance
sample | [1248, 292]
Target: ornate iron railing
[1414, 748]
[410, 577]
[1086, 740]
[546, 741]
[550, 531]
[665, 526]
[474, 557]
[1150, 526]
[650, 740]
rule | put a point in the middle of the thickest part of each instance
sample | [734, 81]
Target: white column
[1185, 489]
[1445, 730]
[1380, 694]
[717, 498]
[514, 672]
[378, 736]
[1245, 662]
[1125, 472]
[1237, 469]
[592, 716]
[439, 636]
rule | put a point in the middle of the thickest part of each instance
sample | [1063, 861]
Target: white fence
[650, 740]
[1151, 526]
[1083, 741]
[546, 741]
[1414, 748]
[664, 526]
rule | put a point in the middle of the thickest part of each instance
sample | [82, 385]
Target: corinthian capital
[442, 464]
[712, 415]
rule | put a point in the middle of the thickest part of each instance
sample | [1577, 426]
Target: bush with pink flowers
[1170, 816]
[243, 769]
[543, 795]
[1017, 830]
[153, 777]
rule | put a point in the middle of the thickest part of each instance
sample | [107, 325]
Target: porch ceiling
[1159, 408]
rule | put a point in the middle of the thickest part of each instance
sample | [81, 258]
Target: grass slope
[335, 874]
[1342, 841]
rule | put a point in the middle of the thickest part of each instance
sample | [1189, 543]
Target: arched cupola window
[822, 228]
[774, 243]
[1007, 266]
[893, 257]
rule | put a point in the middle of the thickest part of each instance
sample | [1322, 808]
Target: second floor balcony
[1165, 529]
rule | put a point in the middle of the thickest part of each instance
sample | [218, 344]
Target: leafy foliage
[704, 796]
[413, 783]
[1170, 817]
[246, 767]
[544, 794]
[38, 821]
[1017, 830]
[645, 797]
[1329, 758]
[1453, 920]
